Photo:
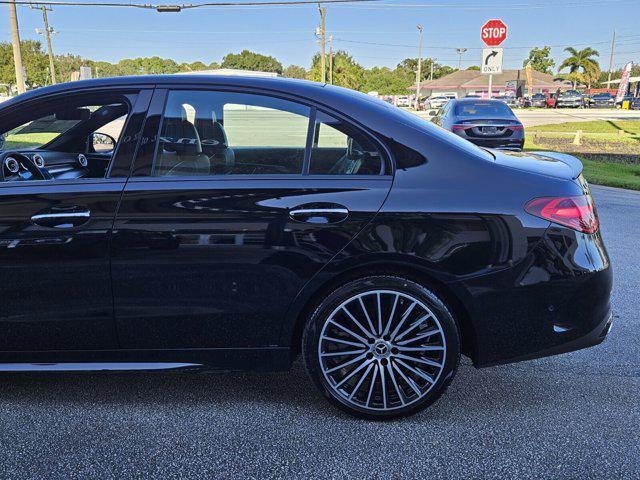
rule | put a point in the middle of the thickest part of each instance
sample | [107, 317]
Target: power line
[177, 8]
[509, 47]
[481, 6]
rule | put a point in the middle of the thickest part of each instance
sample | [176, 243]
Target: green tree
[474, 68]
[66, 64]
[581, 64]
[409, 66]
[385, 81]
[34, 60]
[540, 60]
[346, 71]
[247, 60]
[193, 67]
[294, 71]
[616, 74]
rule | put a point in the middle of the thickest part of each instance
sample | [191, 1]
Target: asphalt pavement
[570, 416]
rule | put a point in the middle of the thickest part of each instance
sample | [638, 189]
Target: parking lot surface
[570, 416]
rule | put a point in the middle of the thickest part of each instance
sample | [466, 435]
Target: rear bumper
[554, 301]
[499, 143]
[589, 339]
[570, 103]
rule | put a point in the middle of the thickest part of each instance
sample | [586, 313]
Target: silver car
[437, 102]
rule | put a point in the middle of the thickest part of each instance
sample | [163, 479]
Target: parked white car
[437, 101]
[403, 101]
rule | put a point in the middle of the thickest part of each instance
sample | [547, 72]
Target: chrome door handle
[319, 211]
[62, 219]
[322, 214]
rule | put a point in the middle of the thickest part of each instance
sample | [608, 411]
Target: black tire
[409, 291]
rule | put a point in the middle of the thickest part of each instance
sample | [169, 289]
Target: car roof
[378, 115]
[474, 100]
[276, 83]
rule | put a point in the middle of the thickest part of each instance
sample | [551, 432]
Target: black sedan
[212, 223]
[487, 123]
[601, 100]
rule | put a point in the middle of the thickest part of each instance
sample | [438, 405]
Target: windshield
[538, 95]
[474, 109]
[602, 95]
[36, 133]
[570, 93]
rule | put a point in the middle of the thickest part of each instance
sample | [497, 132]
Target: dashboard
[60, 165]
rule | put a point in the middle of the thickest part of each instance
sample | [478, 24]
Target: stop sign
[493, 33]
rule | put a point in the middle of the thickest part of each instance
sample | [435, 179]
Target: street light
[419, 71]
[460, 51]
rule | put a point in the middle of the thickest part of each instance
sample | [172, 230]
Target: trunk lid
[555, 164]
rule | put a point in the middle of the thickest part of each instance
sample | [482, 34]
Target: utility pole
[323, 38]
[47, 33]
[330, 59]
[613, 46]
[15, 41]
[419, 71]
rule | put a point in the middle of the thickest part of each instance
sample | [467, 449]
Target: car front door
[55, 233]
[241, 199]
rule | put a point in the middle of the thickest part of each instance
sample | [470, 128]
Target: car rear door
[54, 244]
[211, 260]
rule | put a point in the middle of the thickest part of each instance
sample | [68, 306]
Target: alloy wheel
[382, 350]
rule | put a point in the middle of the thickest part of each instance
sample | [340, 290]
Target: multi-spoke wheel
[382, 347]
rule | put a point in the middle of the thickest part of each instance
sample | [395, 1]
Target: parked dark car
[570, 98]
[487, 123]
[218, 223]
[540, 100]
[510, 100]
[626, 98]
[601, 100]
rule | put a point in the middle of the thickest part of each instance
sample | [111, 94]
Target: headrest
[180, 136]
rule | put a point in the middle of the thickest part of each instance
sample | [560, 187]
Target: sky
[379, 33]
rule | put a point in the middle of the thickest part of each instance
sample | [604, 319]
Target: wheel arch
[315, 294]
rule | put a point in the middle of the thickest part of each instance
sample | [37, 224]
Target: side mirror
[433, 113]
[100, 143]
[2, 139]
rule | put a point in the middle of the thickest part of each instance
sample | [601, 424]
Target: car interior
[77, 139]
[195, 140]
[64, 140]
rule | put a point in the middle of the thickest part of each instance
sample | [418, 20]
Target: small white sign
[491, 61]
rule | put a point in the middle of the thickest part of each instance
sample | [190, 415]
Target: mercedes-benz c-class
[214, 223]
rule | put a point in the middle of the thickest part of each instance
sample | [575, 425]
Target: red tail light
[461, 126]
[516, 127]
[578, 213]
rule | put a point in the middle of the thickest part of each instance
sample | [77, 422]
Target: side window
[55, 134]
[338, 148]
[227, 133]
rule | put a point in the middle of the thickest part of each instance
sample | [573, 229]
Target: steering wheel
[13, 163]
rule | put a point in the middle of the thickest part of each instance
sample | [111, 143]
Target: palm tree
[581, 64]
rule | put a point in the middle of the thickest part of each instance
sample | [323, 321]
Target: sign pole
[490, 84]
